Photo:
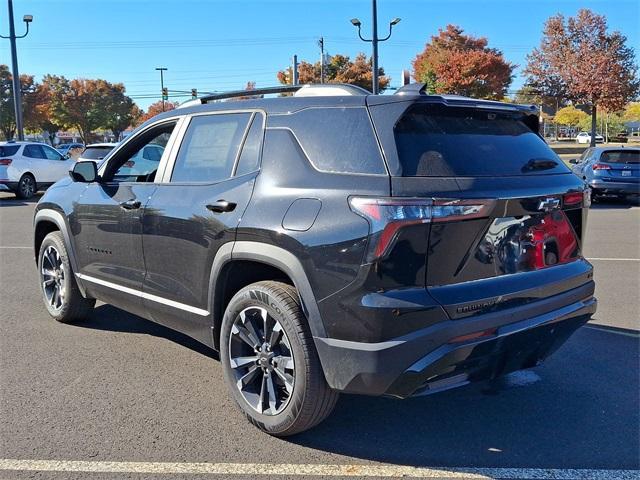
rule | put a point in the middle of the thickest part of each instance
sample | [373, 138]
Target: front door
[196, 211]
[106, 223]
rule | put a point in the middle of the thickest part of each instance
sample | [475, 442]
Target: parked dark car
[331, 241]
[610, 171]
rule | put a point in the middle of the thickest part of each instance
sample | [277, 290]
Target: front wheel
[60, 291]
[270, 362]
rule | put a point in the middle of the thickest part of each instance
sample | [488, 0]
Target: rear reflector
[388, 215]
[473, 336]
[601, 166]
[5, 161]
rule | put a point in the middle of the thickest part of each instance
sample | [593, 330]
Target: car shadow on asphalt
[614, 204]
[8, 200]
[579, 410]
[108, 318]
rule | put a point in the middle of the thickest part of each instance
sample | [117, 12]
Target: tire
[56, 275]
[281, 411]
[27, 187]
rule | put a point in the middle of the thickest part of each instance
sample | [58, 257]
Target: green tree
[340, 69]
[28, 88]
[570, 116]
[122, 112]
[461, 64]
[587, 62]
[632, 112]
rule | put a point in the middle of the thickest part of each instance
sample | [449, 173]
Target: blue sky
[220, 45]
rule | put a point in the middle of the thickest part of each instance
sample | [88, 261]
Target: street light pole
[17, 91]
[162, 70]
[374, 41]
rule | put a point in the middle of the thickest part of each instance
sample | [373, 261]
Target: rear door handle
[131, 204]
[221, 206]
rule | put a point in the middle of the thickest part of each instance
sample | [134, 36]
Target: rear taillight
[601, 166]
[573, 199]
[387, 216]
[5, 161]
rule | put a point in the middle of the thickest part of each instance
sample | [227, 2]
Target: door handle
[221, 206]
[131, 204]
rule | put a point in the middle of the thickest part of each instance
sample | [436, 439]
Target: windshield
[435, 140]
[96, 153]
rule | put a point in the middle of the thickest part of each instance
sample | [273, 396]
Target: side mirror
[85, 172]
[574, 161]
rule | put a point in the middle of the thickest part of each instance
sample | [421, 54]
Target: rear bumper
[427, 360]
[615, 188]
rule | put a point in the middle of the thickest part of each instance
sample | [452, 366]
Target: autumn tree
[461, 64]
[570, 116]
[632, 112]
[122, 111]
[155, 109]
[591, 65]
[340, 69]
[28, 88]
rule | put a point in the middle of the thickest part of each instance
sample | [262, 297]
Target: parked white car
[96, 151]
[26, 167]
[585, 137]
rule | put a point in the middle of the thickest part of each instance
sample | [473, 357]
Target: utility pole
[17, 91]
[162, 70]
[374, 41]
[321, 45]
[295, 70]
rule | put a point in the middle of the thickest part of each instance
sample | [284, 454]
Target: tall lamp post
[374, 41]
[17, 91]
[162, 70]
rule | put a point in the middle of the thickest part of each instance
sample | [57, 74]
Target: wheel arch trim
[276, 257]
[50, 215]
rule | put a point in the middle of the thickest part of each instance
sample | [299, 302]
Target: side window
[34, 151]
[249, 160]
[51, 154]
[585, 155]
[210, 147]
[133, 164]
[339, 140]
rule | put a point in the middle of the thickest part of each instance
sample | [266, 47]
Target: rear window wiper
[539, 164]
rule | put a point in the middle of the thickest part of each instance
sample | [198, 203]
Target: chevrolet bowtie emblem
[548, 204]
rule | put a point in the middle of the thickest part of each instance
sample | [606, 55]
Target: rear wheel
[26, 187]
[60, 291]
[270, 362]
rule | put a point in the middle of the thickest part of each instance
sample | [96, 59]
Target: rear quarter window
[9, 150]
[336, 140]
[438, 141]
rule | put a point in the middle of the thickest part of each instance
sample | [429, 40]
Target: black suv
[330, 241]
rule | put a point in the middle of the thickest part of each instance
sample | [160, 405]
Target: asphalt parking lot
[85, 401]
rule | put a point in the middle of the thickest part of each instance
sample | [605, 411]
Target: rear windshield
[439, 141]
[9, 150]
[620, 156]
[96, 153]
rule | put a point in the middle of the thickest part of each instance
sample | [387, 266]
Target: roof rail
[412, 89]
[246, 93]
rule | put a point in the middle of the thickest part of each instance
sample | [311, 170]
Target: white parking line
[26, 248]
[263, 470]
[614, 259]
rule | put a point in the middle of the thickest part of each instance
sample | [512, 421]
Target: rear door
[507, 214]
[194, 212]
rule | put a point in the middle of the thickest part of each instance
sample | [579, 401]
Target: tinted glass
[337, 139]
[96, 153]
[434, 140]
[209, 148]
[620, 156]
[250, 157]
[51, 154]
[9, 150]
[34, 151]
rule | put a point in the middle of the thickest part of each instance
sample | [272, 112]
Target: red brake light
[5, 161]
[387, 216]
[573, 199]
[601, 166]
